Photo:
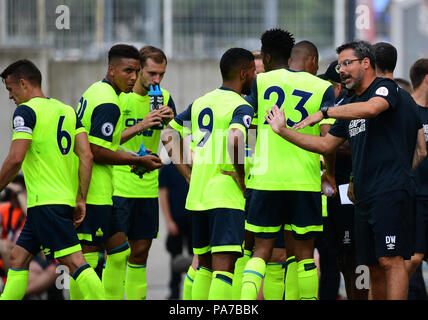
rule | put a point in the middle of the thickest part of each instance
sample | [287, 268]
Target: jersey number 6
[304, 95]
[60, 135]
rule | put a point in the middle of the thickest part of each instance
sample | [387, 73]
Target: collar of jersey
[227, 89]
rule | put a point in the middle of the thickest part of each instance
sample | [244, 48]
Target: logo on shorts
[107, 129]
[99, 233]
[346, 238]
[390, 242]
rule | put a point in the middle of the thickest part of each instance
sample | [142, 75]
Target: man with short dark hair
[100, 114]
[296, 185]
[382, 160]
[386, 58]
[215, 199]
[46, 133]
[419, 78]
[135, 199]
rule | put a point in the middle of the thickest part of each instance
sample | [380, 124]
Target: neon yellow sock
[291, 282]
[273, 287]
[16, 284]
[89, 284]
[307, 275]
[238, 274]
[114, 275]
[92, 259]
[136, 282]
[253, 275]
[221, 286]
[188, 283]
[201, 284]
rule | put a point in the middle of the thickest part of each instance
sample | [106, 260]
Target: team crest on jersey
[247, 120]
[425, 126]
[18, 121]
[382, 91]
[19, 125]
[107, 129]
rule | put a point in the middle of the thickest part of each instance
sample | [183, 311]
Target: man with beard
[219, 123]
[372, 122]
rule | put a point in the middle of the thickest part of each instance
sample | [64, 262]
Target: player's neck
[35, 93]
[232, 85]
[279, 65]
[139, 89]
[421, 97]
[386, 74]
[297, 66]
[111, 82]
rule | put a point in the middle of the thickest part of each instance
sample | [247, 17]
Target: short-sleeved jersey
[421, 172]
[100, 115]
[134, 108]
[49, 170]
[212, 116]
[279, 164]
[382, 147]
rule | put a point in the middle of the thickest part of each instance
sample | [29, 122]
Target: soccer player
[46, 134]
[219, 120]
[372, 122]
[134, 199]
[419, 79]
[101, 116]
[276, 186]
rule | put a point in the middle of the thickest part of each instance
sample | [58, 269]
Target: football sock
[16, 284]
[115, 271]
[273, 287]
[221, 286]
[201, 284]
[253, 275]
[307, 276]
[239, 273]
[75, 293]
[136, 282]
[88, 282]
[188, 283]
[291, 282]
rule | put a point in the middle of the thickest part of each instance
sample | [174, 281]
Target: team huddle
[256, 208]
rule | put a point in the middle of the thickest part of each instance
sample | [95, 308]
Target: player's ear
[22, 83]
[242, 74]
[110, 70]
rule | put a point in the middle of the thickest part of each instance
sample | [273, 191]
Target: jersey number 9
[207, 128]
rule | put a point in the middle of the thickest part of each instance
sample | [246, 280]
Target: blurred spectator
[13, 211]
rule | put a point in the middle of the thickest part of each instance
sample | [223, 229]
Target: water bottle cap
[142, 151]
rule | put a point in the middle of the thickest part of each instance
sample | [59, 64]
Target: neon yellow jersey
[134, 108]
[279, 164]
[50, 174]
[212, 116]
[100, 115]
